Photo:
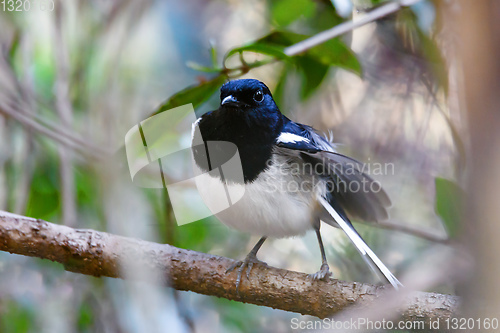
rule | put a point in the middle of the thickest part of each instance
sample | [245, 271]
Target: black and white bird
[292, 177]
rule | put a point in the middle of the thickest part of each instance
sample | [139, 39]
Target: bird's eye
[258, 96]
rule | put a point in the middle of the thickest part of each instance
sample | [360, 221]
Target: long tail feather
[368, 255]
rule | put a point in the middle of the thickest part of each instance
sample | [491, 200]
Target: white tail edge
[368, 255]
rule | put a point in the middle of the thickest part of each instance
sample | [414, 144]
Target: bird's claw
[249, 261]
[322, 274]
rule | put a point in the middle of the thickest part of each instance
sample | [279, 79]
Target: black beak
[230, 101]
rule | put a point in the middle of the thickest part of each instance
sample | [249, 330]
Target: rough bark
[98, 254]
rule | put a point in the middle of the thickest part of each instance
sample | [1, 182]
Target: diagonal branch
[101, 254]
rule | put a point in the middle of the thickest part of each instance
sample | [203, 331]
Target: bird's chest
[280, 202]
[254, 143]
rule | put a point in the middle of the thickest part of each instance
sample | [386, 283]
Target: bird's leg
[250, 259]
[324, 271]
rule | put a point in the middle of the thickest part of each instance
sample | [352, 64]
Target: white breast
[279, 203]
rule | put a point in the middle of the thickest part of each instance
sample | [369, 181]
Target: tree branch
[101, 254]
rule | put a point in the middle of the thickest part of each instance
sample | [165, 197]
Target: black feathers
[249, 118]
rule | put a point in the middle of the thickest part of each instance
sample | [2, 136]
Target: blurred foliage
[313, 65]
[402, 32]
[196, 94]
[85, 318]
[16, 317]
[283, 14]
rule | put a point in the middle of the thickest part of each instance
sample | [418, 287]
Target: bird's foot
[322, 274]
[248, 263]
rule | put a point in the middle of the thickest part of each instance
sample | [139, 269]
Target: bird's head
[247, 115]
[252, 99]
[245, 94]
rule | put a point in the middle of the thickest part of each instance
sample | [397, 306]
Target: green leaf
[324, 18]
[213, 54]
[335, 53]
[44, 198]
[313, 71]
[16, 317]
[283, 38]
[378, 2]
[195, 95]
[85, 317]
[284, 12]
[279, 90]
[449, 204]
[197, 67]
[315, 63]
[262, 48]
[331, 53]
[437, 64]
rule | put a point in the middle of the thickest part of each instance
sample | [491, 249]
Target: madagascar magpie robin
[292, 177]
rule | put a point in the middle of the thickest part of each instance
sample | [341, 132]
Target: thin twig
[67, 134]
[64, 110]
[25, 160]
[38, 124]
[409, 230]
[14, 107]
[10, 112]
[3, 152]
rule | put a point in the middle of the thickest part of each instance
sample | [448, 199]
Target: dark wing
[350, 188]
[368, 202]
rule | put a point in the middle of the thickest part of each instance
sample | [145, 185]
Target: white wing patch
[291, 138]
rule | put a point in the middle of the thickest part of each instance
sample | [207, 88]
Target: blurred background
[75, 76]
